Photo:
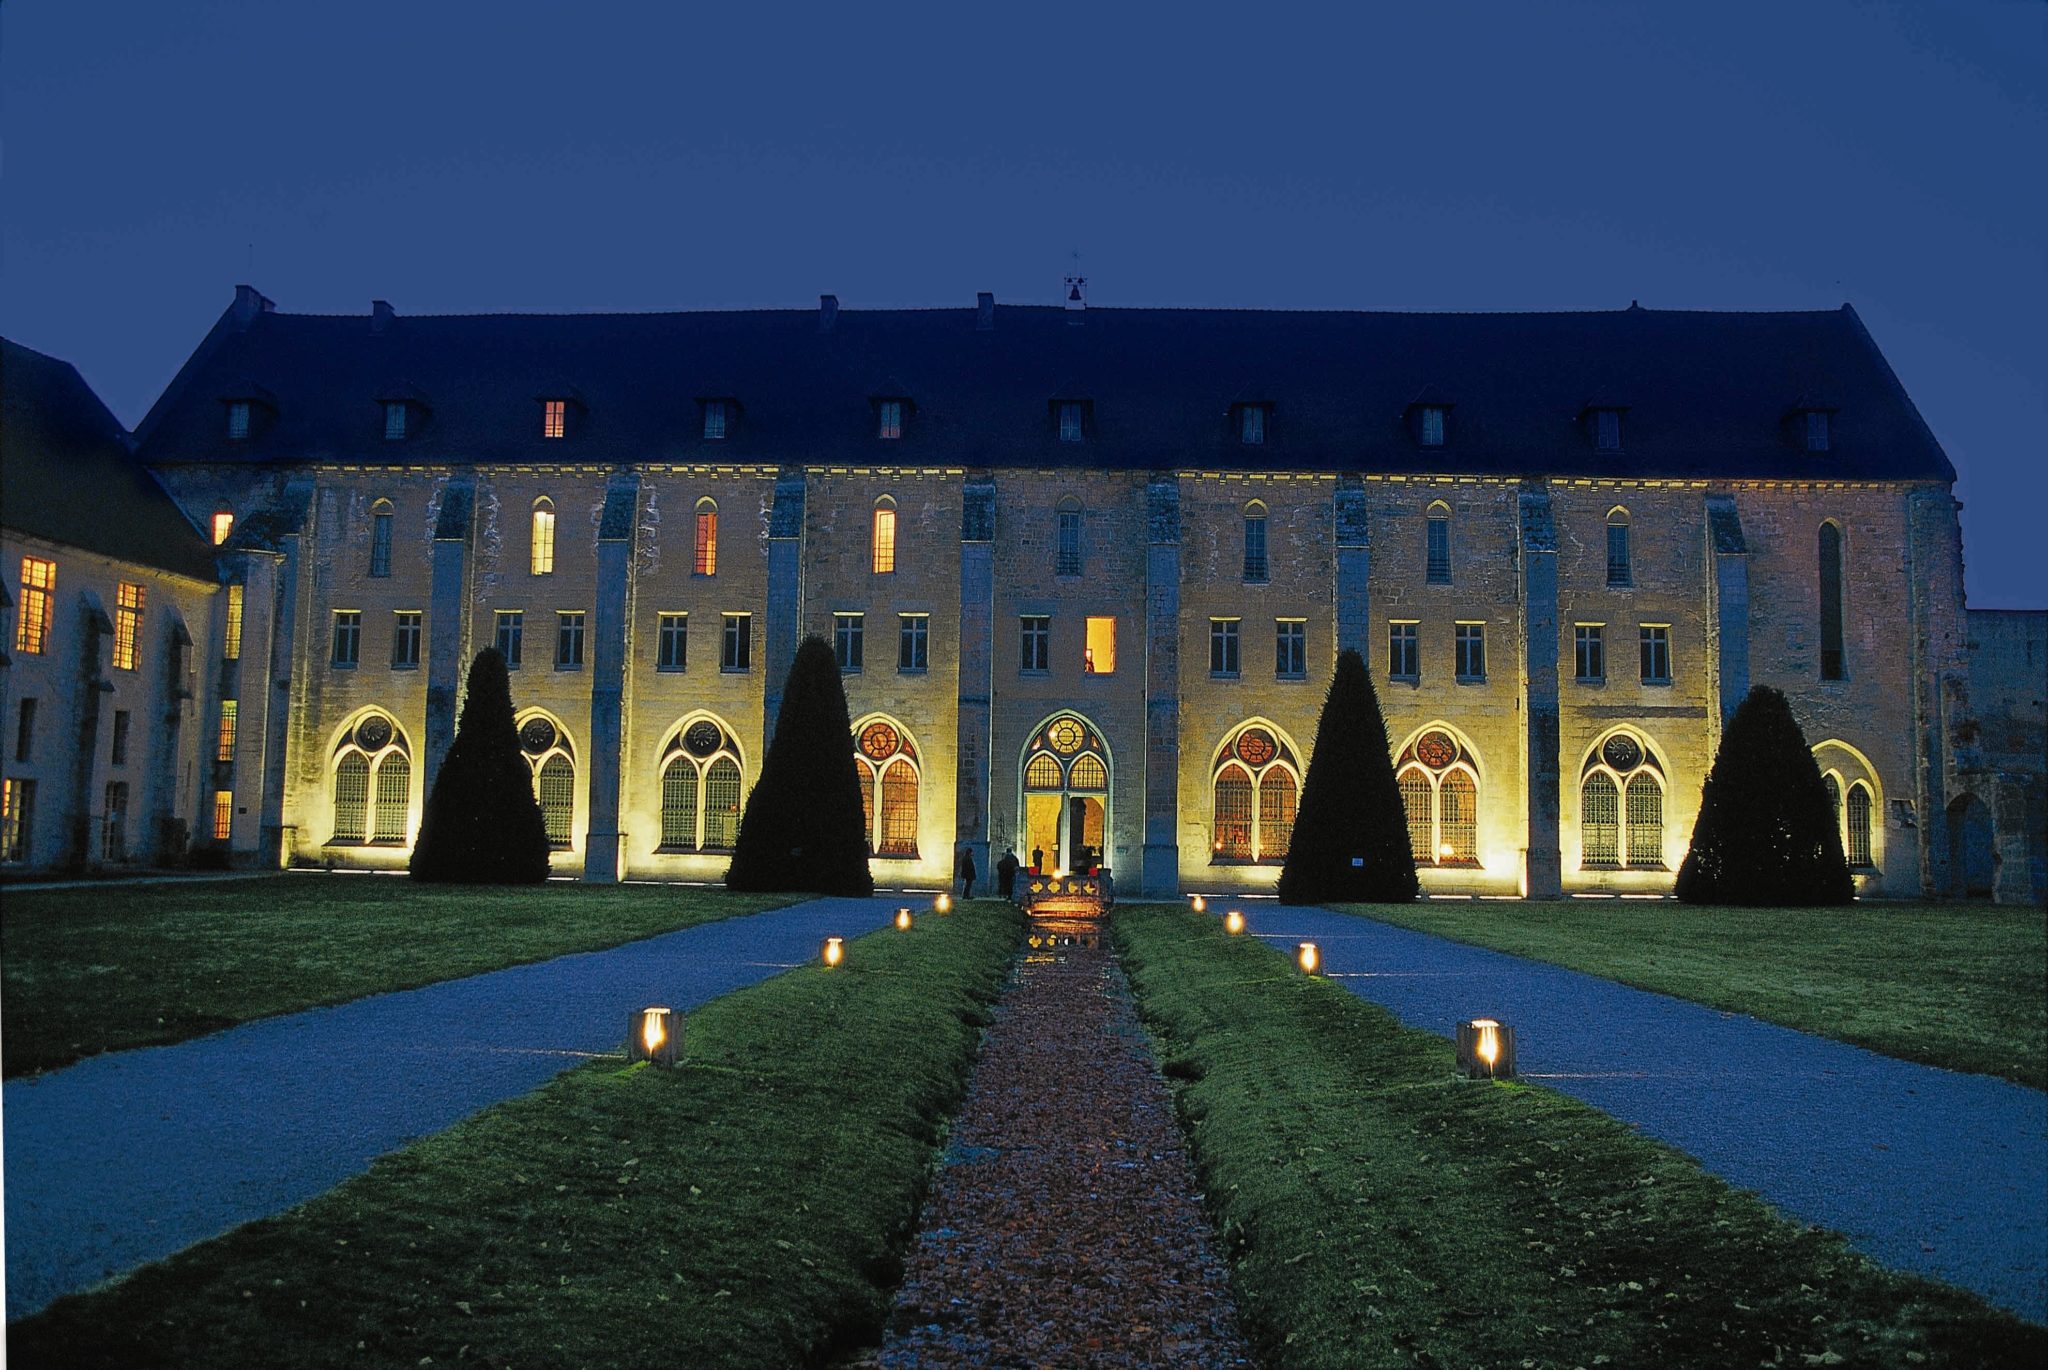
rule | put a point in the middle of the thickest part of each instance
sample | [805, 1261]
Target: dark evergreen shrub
[483, 825]
[1350, 833]
[1766, 832]
[804, 827]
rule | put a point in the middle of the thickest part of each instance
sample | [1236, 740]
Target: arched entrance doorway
[1065, 774]
[1971, 871]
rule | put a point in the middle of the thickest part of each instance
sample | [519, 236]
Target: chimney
[381, 315]
[828, 312]
[984, 311]
[249, 302]
[1077, 298]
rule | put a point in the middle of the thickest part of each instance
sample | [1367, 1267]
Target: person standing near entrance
[1038, 860]
[965, 870]
[1006, 874]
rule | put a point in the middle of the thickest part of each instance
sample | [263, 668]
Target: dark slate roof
[1706, 394]
[67, 474]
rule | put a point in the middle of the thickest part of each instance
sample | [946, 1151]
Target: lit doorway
[1066, 797]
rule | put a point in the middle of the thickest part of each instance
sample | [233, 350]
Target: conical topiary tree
[1766, 832]
[803, 828]
[482, 825]
[1351, 833]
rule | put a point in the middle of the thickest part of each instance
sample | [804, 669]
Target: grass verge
[1944, 984]
[748, 1209]
[91, 970]
[1377, 1211]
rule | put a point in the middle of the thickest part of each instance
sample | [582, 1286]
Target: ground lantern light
[1486, 1050]
[943, 904]
[1233, 922]
[1201, 904]
[903, 920]
[835, 951]
[654, 1035]
[1309, 957]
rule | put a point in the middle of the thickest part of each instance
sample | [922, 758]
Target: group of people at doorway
[1007, 866]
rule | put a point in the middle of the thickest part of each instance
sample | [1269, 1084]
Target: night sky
[466, 158]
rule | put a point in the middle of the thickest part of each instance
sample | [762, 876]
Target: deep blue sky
[455, 157]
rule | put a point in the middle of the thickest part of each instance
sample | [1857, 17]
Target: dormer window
[223, 524]
[394, 420]
[1817, 430]
[554, 418]
[1432, 425]
[1073, 420]
[889, 418]
[1251, 424]
[1607, 430]
[238, 420]
[717, 419]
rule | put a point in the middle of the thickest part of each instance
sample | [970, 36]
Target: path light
[1201, 904]
[1486, 1050]
[1309, 958]
[654, 1035]
[835, 950]
[1233, 922]
[903, 920]
[943, 904]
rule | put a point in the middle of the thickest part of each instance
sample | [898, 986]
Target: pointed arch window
[372, 776]
[1620, 571]
[1256, 568]
[1852, 797]
[883, 539]
[1439, 543]
[1856, 827]
[1255, 787]
[700, 788]
[553, 762]
[1621, 807]
[888, 763]
[542, 561]
[381, 514]
[1068, 559]
[706, 563]
[1833, 664]
[1439, 783]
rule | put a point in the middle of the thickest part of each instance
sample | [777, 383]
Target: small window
[1256, 569]
[25, 732]
[1035, 636]
[405, 640]
[1833, 661]
[118, 753]
[1068, 561]
[17, 818]
[543, 538]
[1251, 424]
[1072, 420]
[889, 419]
[224, 740]
[511, 636]
[554, 418]
[568, 640]
[913, 639]
[673, 652]
[127, 625]
[1432, 425]
[348, 637]
[394, 420]
[1471, 643]
[1099, 655]
[231, 639]
[1816, 430]
[238, 420]
[1590, 644]
[32, 622]
[736, 645]
[380, 538]
[1290, 648]
[716, 417]
[883, 538]
[1619, 572]
[223, 815]
[849, 638]
[1439, 544]
[1656, 650]
[1223, 647]
[223, 524]
[706, 563]
[1404, 651]
[1607, 429]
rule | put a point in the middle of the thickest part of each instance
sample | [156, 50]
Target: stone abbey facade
[1087, 572]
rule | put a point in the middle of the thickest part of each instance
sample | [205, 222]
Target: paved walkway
[1924, 1169]
[129, 1157]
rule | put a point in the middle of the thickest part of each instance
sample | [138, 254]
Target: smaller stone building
[1998, 805]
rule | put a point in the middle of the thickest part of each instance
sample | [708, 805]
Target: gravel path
[129, 1157]
[1928, 1170]
[1065, 1229]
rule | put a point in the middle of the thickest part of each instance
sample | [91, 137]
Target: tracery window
[372, 772]
[1439, 783]
[1621, 807]
[553, 761]
[1852, 797]
[1256, 784]
[888, 763]
[700, 788]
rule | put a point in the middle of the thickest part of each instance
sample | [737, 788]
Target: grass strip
[91, 970]
[750, 1208]
[1379, 1212]
[1944, 984]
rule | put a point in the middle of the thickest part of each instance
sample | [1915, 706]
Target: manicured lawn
[1957, 985]
[748, 1209]
[86, 971]
[1377, 1211]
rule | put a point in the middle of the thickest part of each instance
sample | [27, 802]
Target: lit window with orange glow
[1100, 657]
[38, 583]
[223, 815]
[884, 539]
[707, 538]
[554, 420]
[231, 646]
[223, 524]
[225, 750]
[127, 624]
[543, 537]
